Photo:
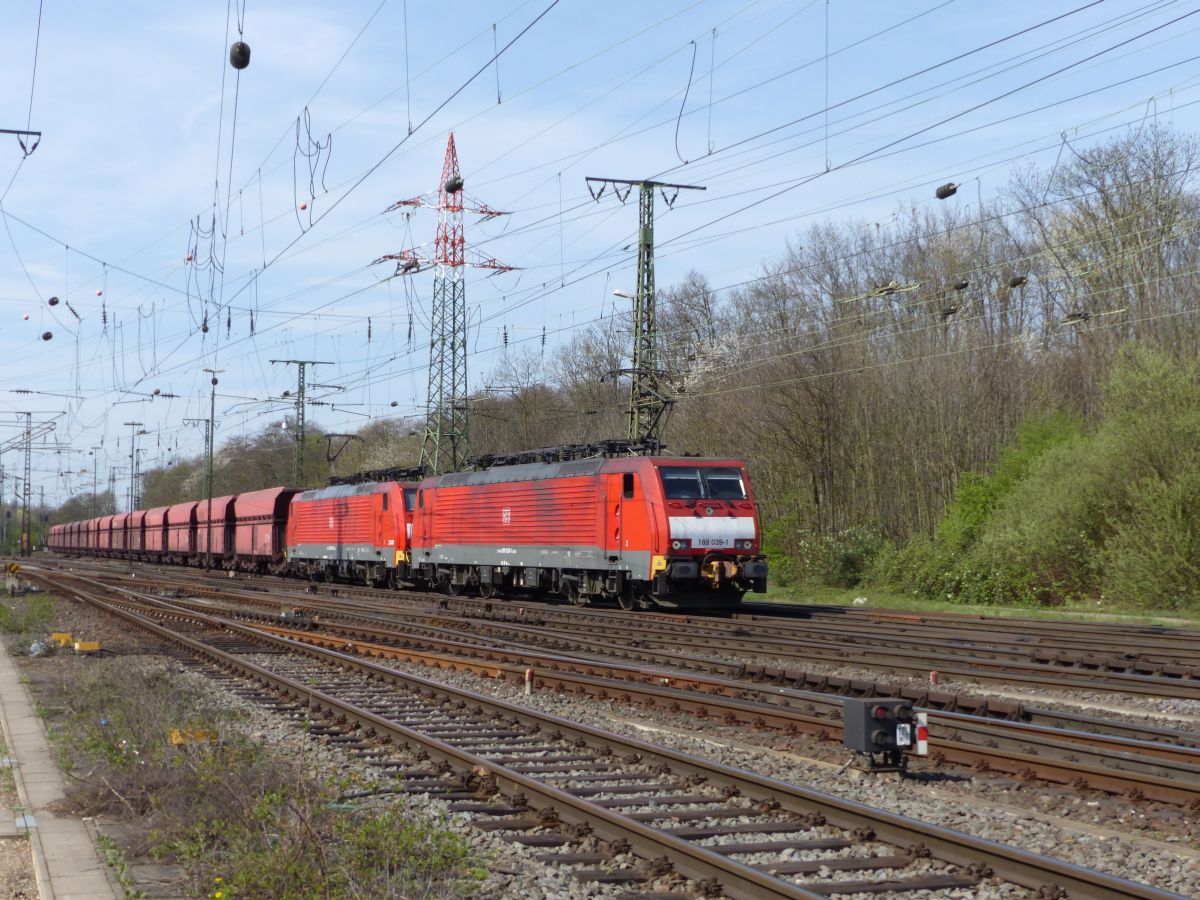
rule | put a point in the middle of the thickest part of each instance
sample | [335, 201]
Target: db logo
[506, 516]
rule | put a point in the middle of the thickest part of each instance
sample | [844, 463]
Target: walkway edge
[25, 737]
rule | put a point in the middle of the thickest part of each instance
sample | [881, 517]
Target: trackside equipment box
[878, 726]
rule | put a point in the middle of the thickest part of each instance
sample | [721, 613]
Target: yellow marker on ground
[177, 737]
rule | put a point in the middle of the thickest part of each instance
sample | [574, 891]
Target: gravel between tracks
[514, 873]
[1163, 712]
[1169, 864]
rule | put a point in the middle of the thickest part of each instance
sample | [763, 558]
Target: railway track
[545, 781]
[997, 654]
[709, 645]
[1076, 644]
[1125, 648]
[1147, 764]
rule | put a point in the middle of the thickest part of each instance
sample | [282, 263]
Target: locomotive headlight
[745, 545]
[680, 544]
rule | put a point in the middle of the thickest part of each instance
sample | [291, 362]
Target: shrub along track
[559, 779]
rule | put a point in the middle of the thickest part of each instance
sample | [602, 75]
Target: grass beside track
[884, 599]
[242, 817]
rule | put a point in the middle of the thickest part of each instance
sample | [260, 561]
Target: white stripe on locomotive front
[712, 531]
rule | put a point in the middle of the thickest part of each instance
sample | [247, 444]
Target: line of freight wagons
[635, 530]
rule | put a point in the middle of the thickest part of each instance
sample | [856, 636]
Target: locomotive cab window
[724, 483]
[627, 485]
[702, 483]
[410, 499]
[385, 502]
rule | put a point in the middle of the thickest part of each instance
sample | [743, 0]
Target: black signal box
[878, 726]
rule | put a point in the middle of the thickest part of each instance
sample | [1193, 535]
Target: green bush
[1072, 516]
[778, 543]
[837, 560]
[296, 845]
[1040, 546]
[979, 494]
[1153, 558]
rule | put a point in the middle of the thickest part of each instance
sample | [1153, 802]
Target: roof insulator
[1017, 281]
[239, 55]
[949, 189]
[962, 284]
[454, 184]
[53, 301]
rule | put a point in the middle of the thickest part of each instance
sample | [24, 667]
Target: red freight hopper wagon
[155, 533]
[259, 519]
[104, 543]
[638, 530]
[214, 529]
[181, 531]
[136, 532]
[120, 534]
[352, 531]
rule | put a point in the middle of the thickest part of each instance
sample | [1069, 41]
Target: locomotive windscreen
[410, 499]
[702, 483]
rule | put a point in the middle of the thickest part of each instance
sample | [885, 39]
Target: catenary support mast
[649, 391]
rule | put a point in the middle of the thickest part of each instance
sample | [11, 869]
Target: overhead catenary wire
[270, 313]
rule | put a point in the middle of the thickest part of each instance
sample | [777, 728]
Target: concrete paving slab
[67, 864]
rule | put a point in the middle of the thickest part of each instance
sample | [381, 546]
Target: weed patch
[26, 614]
[243, 820]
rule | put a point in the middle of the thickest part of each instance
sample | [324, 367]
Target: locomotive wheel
[626, 601]
[489, 589]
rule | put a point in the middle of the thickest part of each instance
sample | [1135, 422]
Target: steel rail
[1010, 863]
[1139, 769]
[691, 860]
[991, 748]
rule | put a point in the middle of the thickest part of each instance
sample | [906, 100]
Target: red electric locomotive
[353, 531]
[640, 531]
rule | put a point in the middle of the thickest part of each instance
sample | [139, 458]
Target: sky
[170, 192]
